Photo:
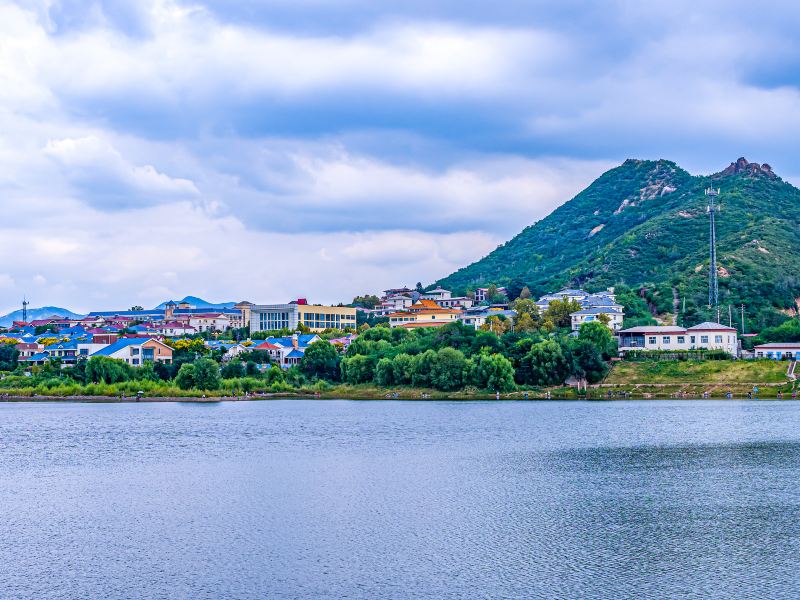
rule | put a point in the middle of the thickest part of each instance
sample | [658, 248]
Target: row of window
[329, 316]
[273, 321]
[682, 339]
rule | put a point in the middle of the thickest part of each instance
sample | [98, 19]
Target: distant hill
[644, 224]
[37, 313]
[199, 303]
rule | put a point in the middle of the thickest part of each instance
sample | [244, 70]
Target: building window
[652, 340]
[703, 339]
[665, 339]
[717, 339]
[691, 340]
[681, 339]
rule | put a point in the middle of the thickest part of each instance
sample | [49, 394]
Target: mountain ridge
[37, 313]
[644, 225]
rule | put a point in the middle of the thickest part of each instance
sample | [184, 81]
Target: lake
[335, 499]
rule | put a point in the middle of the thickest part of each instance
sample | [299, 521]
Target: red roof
[266, 346]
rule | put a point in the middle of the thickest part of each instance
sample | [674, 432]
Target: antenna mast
[25, 304]
[713, 286]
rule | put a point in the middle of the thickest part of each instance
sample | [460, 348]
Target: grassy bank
[692, 379]
[704, 372]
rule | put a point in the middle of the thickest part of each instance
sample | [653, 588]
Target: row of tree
[456, 356]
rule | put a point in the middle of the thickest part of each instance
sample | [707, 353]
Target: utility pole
[730, 316]
[742, 319]
[713, 285]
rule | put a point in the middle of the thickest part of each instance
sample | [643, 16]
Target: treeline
[452, 357]
[455, 356]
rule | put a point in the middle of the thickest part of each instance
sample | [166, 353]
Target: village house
[136, 351]
[424, 313]
[288, 351]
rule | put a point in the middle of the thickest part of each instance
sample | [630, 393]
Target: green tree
[102, 369]
[9, 357]
[185, 377]
[599, 335]
[366, 301]
[423, 367]
[587, 361]
[274, 375]
[547, 364]
[358, 369]
[206, 374]
[492, 372]
[233, 370]
[788, 331]
[447, 372]
[321, 361]
[558, 312]
[384, 372]
[402, 368]
[147, 372]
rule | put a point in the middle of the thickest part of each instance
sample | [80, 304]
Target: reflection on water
[400, 499]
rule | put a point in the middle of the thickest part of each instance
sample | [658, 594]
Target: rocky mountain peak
[742, 165]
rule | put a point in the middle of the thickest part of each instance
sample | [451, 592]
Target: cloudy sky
[269, 149]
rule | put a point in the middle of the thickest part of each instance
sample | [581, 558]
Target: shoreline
[766, 392]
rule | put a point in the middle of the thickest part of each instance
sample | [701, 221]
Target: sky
[265, 150]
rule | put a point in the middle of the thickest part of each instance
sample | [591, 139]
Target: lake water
[335, 499]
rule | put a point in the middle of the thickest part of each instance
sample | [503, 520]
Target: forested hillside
[644, 224]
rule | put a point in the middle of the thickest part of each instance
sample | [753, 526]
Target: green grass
[718, 372]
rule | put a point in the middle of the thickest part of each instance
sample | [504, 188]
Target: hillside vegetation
[645, 224]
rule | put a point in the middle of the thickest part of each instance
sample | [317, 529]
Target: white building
[705, 336]
[210, 322]
[587, 315]
[481, 293]
[437, 294]
[778, 350]
[477, 318]
[456, 302]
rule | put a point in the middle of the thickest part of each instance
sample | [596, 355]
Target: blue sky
[269, 149]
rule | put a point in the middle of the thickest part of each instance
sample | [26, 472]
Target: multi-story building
[272, 317]
[241, 318]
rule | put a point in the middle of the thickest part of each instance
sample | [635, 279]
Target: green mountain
[644, 227]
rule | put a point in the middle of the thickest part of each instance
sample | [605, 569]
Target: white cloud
[186, 154]
[98, 166]
[177, 249]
